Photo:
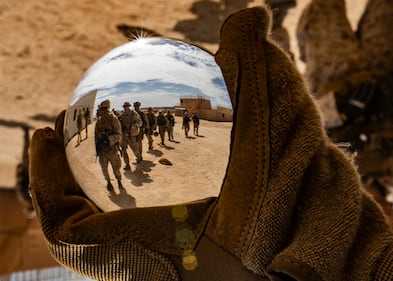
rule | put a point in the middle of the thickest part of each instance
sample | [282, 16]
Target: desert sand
[46, 47]
[196, 168]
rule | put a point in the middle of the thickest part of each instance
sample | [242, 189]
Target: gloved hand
[290, 207]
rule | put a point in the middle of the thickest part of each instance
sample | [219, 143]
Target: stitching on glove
[254, 86]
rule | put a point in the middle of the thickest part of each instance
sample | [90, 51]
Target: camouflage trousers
[136, 146]
[170, 132]
[162, 130]
[111, 156]
[149, 136]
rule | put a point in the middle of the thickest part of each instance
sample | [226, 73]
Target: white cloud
[172, 65]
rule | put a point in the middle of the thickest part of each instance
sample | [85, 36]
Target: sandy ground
[47, 45]
[197, 170]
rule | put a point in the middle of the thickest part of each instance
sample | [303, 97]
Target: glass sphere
[124, 148]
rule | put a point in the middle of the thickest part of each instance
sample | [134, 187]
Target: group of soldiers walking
[116, 131]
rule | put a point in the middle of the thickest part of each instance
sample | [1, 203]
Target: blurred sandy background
[47, 45]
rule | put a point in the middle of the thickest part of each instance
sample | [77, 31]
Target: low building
[204, 109]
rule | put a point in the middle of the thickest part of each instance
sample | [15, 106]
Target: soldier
[86, 115]
[79, 125]
[131, 124]
[162, 123]
[195, 121]
[145, 125]
[107, 138]
[186, 123]
[152, 119]
[171, 124]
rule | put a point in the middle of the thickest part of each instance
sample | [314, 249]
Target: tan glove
[291, 202]
[290, 207]
[104, 246]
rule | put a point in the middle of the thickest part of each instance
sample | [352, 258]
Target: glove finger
[242, 62]
[78, 235]
[276, 132]
[51, 179]
[284, 179]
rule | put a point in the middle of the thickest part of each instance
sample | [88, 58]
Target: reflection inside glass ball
[149, 125]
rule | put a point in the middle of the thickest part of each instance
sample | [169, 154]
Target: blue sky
[155, 71]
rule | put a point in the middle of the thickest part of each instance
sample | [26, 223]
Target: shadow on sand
[155, 152]
[123, 199]
[139, 176]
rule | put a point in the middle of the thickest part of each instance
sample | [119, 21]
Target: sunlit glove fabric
[290, 207]
[291, 202]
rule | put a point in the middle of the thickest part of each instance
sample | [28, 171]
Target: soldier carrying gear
[142, 115]
[107, 138]
[186, 123]
[145, 125]
[152, 126]
[162, 123]
[131, 124]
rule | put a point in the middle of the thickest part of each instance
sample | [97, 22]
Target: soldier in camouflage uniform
[131, 124]
[79, 126]
[107, 138]
[145, 126]
[162, 123]
[151, 117]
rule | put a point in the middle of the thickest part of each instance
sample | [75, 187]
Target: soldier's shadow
[155, 152]
[167, 147]
[146, 166]
[122, 199]
[139, 176]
